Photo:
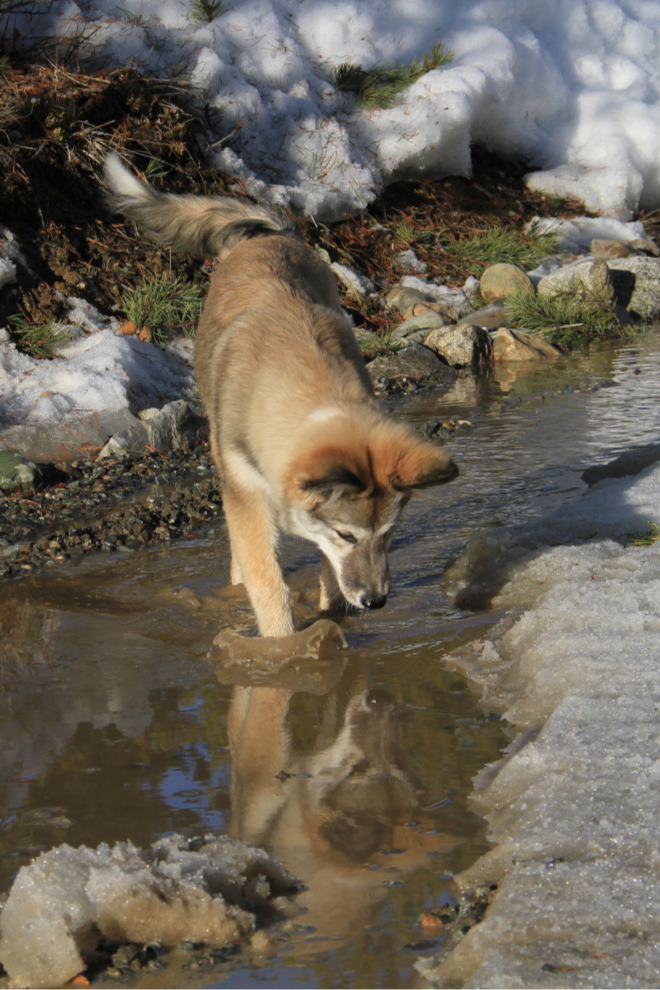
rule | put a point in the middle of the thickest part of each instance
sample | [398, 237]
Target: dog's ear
[324, 476]
[421, 465]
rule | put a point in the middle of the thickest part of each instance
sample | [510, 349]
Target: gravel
[119, 505]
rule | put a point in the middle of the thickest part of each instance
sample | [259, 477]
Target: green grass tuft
[164, 304]
[574, 315]
[489, 247]
[37, 340]
[647, 539]
[379, 87]
[205, 11]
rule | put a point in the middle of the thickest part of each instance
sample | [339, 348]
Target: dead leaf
[127, 328]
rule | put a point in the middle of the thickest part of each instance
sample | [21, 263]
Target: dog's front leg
[253, 537]
[329, 595]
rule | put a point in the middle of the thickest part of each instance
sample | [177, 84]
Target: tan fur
[296, 433]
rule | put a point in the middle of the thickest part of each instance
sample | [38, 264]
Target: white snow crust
[573, 808]
[573, 85]
[94, 385]
[166, 894]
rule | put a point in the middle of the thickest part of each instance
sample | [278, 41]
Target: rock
[426, 322]
[512, 345]
[609, 249]
[502, 280]
[367, 339]
[489, 318]
[592, 276]
[460, 346]
[445, 309]
[354, 283]
[645, 244]
[404, 299]
[410, 262]
[323, 254]
[636, 283]
[17, 472]
[173, 426]
[413, 361]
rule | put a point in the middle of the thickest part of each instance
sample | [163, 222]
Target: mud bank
[573, 806]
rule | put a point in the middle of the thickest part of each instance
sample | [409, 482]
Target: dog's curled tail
[203, 226]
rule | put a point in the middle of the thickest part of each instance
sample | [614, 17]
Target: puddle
[117, 723]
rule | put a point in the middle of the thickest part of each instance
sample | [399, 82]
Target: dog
[331, 809]
[299, 441]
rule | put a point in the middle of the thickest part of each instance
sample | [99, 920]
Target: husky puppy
[297, 435]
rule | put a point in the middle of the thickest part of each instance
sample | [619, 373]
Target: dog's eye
[346, 536]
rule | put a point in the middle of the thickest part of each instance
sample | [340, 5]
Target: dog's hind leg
[253, 539]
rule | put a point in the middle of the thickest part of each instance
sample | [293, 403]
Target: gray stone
[17, 472]
[502, 280]
[425, 321]
[173, 426]
[323, 254]
[354, 283]
[413, 361]
[593, 275]
[635, 282]
[645, 244]
[490, 317]
[460, 346]
[608, 248]
[404, 299]
[637, 285]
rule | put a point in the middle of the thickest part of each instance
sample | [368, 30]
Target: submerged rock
[512, 345]
[413, 361]
[204, 890]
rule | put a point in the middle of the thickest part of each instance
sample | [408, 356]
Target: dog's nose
[373, 600]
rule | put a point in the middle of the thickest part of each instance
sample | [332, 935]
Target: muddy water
[115, 714]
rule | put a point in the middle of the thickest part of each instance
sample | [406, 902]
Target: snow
[575, 667]
[94, 385]
[167, 894]
[573, 86]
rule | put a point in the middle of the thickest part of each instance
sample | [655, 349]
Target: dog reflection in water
[334, 812]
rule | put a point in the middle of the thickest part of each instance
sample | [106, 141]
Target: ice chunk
[573, 806]
[205, 890]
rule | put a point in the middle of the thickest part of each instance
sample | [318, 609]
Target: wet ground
[117, 711]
